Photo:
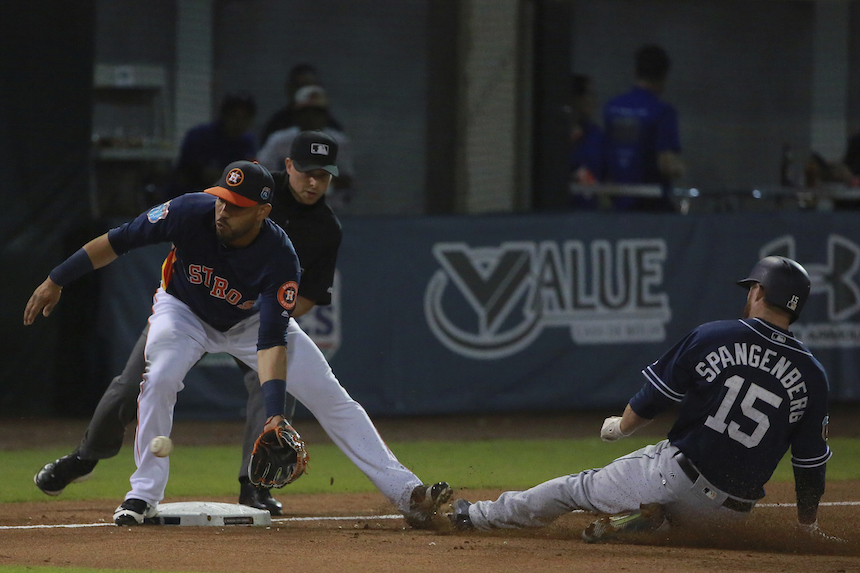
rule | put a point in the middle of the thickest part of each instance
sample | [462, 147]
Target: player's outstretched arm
[272, 363]
[94, 255]
[44, 299]
[279, 455]
[617, 427]
[809, 487]
[272, 370]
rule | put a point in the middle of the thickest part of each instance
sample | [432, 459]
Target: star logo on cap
[235, 177]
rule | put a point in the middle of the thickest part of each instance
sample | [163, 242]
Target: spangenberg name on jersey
[768, 360]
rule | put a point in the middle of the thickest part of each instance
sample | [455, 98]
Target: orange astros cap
[244, 184]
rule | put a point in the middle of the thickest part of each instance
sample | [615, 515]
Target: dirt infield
[368, 544]
[362, 542]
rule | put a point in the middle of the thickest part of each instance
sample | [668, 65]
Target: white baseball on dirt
[161, 446]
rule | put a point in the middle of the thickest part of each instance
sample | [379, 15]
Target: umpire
[316, 235]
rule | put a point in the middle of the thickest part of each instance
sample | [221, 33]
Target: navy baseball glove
[279, 457]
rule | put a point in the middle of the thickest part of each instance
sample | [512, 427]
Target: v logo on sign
[490, 279]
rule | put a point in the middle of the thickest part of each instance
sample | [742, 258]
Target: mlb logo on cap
[319, 148]
[314, 150]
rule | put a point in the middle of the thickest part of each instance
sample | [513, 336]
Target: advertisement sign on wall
[439, 315]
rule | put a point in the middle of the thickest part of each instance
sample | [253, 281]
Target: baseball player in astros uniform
[228, 285]
[748, 390]
[299, 206]
[310, 378]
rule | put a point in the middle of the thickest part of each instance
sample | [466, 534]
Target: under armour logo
[835, 279]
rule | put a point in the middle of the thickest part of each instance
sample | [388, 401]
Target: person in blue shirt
[586, 143]
[208, 148]
[747, 391]
[642, 141]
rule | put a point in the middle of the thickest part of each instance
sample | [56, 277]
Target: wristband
[72, 268]
[274, 394]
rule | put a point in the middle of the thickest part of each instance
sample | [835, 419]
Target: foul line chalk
[360, 517]
[274, 520]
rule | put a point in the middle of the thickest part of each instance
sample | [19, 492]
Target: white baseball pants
[178, 339]
[648, 475]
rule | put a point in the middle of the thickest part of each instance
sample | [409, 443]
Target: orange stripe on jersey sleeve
[167, 268]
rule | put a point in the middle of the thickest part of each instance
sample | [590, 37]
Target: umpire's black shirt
[316, 234]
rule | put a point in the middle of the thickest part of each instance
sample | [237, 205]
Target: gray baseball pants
[648, 475]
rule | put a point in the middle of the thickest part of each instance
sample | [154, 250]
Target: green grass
[509, 464]
[207, 472]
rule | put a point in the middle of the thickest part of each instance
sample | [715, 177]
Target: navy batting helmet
[786, 283]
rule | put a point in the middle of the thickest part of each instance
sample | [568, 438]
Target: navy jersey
[222, 285]
[748, 390]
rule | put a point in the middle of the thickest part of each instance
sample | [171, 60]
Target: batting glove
[611, 429]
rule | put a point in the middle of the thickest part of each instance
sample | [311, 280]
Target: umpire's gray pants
[118, 408]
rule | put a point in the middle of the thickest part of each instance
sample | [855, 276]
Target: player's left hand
[279, 456]
[611, 429]
[44, 299]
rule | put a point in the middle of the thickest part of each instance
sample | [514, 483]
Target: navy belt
[693, 474]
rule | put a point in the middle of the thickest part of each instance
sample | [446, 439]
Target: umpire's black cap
[786, 283]
[314, 150]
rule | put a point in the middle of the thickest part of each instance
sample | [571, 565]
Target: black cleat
[460, 515]
[259, 497]
[53, 478]
[133, 512]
